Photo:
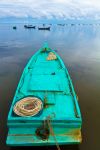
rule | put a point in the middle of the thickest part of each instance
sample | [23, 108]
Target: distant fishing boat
[61, 24]
[29, 26]
[45, 108]
[72, 24]
[14, 27]
[43, 28]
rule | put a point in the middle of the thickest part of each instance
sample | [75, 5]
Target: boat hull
[43, 28]
[26, 136]
[29, 27]
[48, 80]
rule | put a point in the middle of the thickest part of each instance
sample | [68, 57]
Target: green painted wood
[50, 79]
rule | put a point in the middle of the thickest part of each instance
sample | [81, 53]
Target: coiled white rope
[29, 106]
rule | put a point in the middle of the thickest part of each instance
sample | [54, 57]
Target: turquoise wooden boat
[59, 121]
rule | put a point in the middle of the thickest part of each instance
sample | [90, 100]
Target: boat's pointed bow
[45, 47]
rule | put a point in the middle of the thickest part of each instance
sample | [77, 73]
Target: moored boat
[29, 26]
[43, 28]
[45, 108]
[14, 27]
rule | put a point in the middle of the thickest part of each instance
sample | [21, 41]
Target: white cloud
[61, 9]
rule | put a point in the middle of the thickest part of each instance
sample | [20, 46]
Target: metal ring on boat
[28, 106]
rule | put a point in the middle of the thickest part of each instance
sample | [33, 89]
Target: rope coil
[51, 56]
[29, 106]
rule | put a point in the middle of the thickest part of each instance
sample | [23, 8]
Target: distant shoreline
[47, 21]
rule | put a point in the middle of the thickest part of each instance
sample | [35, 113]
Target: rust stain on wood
[75, 134]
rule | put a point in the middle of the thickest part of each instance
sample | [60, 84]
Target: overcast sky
[59, 9]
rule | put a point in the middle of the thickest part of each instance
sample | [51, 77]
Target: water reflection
[79, 46]
[72, 147]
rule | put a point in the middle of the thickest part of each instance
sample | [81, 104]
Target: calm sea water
[79, 47]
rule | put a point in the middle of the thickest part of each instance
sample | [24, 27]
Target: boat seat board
[48, 82]
[45, 71]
